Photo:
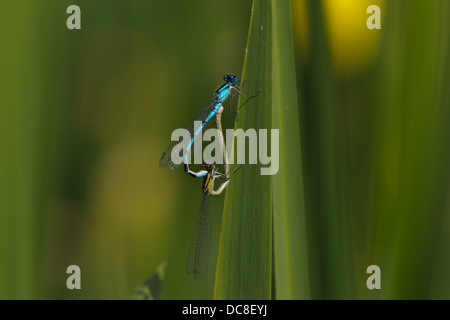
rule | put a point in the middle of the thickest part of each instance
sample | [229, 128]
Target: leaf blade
[244, 268]
[290, 247]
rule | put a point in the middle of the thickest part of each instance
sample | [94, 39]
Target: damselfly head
[230, 78]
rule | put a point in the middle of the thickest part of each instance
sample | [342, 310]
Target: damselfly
[198, 258]
[215, 107]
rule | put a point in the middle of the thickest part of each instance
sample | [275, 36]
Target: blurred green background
[85, 115]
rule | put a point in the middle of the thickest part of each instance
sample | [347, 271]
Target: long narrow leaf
[290, 250]
[244, 267]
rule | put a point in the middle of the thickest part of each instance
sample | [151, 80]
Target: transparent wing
[166, 157]
[198, 257]
[233, 169]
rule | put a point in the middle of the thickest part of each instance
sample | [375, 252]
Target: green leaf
[290, 249]
[150, 289]
[244, 268]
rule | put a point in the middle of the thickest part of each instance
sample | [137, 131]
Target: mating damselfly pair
[198, 258]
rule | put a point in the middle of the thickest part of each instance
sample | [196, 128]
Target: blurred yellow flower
[353, 46]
